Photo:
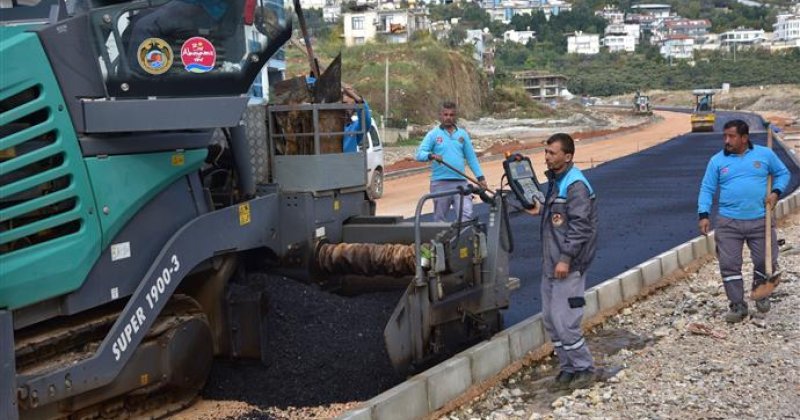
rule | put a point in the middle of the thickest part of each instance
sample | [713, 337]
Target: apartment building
[742, 37]
[677, 47]
[787, 28]
[520, 37]
[619, 43]
[542, 86]
[580, 43]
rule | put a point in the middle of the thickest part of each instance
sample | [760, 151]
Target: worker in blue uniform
[451, 144]
[358, 124]
[740, 173]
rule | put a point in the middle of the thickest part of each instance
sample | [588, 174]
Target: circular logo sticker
[155, 55]
[558, 219]
[198, 55]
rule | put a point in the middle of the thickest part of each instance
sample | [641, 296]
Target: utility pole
[385, 100]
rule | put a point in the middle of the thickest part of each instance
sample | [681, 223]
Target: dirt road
[401, 194]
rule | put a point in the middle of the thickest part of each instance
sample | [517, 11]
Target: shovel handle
[768, 221]
[301, 19]
[469, 178]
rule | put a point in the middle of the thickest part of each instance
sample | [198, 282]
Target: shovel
[765, 288]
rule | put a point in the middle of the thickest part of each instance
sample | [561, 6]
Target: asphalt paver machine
[130, 197]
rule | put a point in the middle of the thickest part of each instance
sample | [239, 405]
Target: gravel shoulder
[667, 371]
[489, 134]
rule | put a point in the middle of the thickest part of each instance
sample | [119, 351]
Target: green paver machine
[130, 193]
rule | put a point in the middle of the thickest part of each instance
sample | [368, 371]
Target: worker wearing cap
[740, 173]
[451, 144]
[569, 238]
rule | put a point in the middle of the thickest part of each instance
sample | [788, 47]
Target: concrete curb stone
[364, 413]
[489, 358]
[651, 271]
[446, 381]
[699, 246]
[609, 294]
[712, 243]
[631, 282]
[669, 262]
[525, 336]
[592, 307]
[406, 400]
[685, 254]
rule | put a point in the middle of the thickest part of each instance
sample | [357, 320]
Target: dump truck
[703, 116]
[131, 196]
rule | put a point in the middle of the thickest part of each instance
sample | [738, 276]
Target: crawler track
[46, 347]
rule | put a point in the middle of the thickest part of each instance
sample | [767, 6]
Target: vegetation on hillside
[425, 72]
[422, 74]
[723, 14]
[607, 74]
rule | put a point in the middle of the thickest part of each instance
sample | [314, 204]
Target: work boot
[583, 379]
[737, 313]
[561, 382]
[763, 305]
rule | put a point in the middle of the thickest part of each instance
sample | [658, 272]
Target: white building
[475, 37]
[786, 28]
[483, 53]
[655, 10]
[627, 29]
[619, 43]
[312, 4]
[580, 43]
[505, 10]
[395, 26]
[520, 37]
[359, 27]
[741, 38]
[678, 47]
[332, 11]
[611, 14]
[710, 42]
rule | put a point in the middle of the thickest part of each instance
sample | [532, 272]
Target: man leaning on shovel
[742, 171]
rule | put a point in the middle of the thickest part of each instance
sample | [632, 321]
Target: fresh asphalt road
[647, 205]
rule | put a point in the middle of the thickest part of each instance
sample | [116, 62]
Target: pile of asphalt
[324, 349]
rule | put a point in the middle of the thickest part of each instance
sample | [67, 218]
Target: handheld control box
[522, 180]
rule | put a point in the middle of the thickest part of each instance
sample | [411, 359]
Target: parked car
[375, 163]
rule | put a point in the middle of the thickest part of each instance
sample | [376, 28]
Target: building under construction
[542, 86]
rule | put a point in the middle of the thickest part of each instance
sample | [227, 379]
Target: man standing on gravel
[740, 172]
[450, 144]
[569, 237]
